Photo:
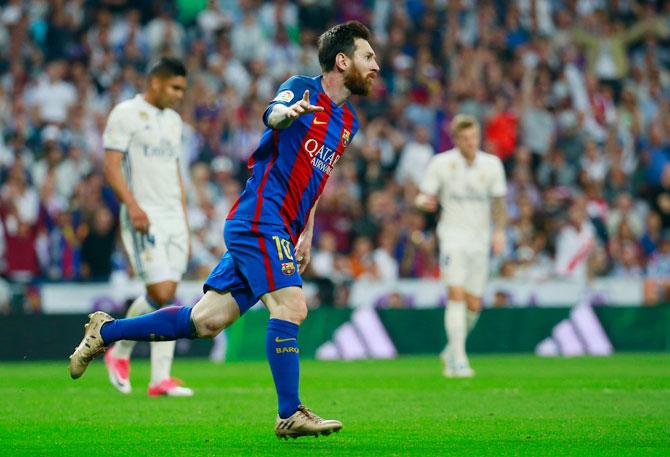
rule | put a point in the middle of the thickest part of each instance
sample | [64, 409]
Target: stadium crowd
[572, 95]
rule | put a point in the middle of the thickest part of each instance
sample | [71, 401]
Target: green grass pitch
[517, 405]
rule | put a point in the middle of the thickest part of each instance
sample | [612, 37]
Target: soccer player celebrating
[269, 229]
[467, 183]
[142, 142]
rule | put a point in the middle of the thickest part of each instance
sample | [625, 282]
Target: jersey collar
[475, 162]
[146, 104]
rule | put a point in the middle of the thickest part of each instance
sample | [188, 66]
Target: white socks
[454, 322]
[140, 306]
[162, 353]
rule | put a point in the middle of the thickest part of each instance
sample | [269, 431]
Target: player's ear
[154, 84]
[342, 62]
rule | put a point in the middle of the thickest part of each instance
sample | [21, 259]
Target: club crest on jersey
[346, 136]
[288, 268]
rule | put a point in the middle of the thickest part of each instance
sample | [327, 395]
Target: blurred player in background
[469, 185]
[269, 229]
[142, 142]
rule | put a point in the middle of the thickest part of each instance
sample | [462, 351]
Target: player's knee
[299, 314]
[209, 321]
[456, 293]
[162, 297]
[295, 312]
[474, 304]
[209, 326]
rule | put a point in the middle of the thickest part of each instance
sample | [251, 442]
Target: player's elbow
[110, 165]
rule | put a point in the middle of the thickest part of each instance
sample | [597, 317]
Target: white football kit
[464, 230]
[150, 139]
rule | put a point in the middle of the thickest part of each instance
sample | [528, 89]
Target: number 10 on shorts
[283, 245]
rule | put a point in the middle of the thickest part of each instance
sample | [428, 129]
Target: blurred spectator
[384, 260]
[414, 157]
[575, 243]
[97, 247]
[652, 236]
[51, 97]
[19, 213]
[659, 263]
[164, 34]
[625, 211]
[362, 260]
[555, 171]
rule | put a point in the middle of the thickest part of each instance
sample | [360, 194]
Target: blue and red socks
[170, 323]
[281, 345]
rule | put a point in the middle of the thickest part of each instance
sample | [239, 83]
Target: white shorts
[467, 268]
[162, 254]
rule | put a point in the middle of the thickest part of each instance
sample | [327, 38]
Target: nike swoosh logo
[318, 122]
[279, 340]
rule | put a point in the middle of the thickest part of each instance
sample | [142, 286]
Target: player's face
[171, 91]
[467, 140]
[363, 69]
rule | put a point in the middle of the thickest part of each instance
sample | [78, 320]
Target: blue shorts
[260, 259]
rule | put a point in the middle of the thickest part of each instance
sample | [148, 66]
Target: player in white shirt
[470, 186]
[142, 142]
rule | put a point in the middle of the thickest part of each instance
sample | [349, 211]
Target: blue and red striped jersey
[290, 167]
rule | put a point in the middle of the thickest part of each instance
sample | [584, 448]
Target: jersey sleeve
[118, 131]
[499, 184]
[430, 184]
[288, 93]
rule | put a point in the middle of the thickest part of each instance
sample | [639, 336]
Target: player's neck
[469, 158]
[150, 100]
[333, 86]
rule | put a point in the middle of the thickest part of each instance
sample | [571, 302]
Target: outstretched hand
[302, 107]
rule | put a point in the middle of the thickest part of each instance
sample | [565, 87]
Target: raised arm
[282, 116]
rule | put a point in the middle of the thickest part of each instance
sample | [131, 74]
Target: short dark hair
[167, 67]
[340, 38]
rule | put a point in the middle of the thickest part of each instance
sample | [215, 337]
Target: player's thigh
[214, 312]
[453, 266]
[175, 239]
[147, 253]
[287, 304]
[265, 256]
[227, 278]
[477, 274]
